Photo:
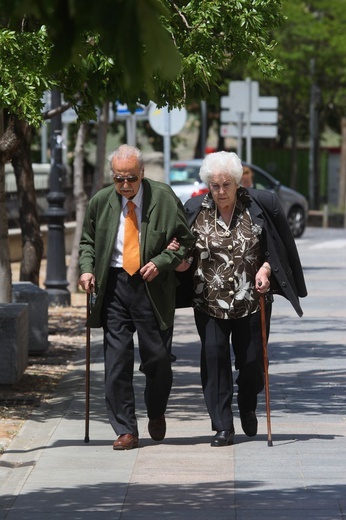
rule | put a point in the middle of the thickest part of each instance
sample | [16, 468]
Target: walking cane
[87, 372]
[265, 364]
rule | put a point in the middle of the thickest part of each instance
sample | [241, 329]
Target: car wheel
[296, 220]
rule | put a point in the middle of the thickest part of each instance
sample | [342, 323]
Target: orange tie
[131, 255]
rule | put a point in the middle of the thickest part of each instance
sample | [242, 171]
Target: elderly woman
[244, 247]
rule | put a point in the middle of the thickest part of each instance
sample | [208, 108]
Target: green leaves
[23, 58]
[170, 52]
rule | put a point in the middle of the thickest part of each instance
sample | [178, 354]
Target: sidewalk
[48, 472]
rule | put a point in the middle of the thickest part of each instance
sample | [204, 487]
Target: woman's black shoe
[223, 438]
[249, 423]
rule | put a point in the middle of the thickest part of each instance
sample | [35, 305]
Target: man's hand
[149, 271]
[87, 282]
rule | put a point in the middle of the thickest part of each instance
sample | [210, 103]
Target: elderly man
[124, 259]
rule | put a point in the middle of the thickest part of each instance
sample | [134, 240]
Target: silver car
[185, 181]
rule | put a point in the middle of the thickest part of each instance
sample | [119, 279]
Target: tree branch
[181, 15]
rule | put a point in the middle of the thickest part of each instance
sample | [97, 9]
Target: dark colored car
[185, 181]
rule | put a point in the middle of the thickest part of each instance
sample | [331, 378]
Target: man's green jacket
[163, 218]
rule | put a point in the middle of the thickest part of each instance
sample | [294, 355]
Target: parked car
[185, 181]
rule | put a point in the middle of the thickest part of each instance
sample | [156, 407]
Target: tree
[176, 52]
[81, 200]
[313, 34]
[5, 266]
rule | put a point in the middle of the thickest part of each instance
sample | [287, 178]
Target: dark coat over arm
[278, 246]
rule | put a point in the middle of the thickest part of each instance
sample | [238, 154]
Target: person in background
[123, 258]
[244, 248]
[247, 178]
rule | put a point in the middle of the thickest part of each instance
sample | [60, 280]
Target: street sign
[244, 99]
[167, 122]
[260, 117]
[248, 115]
[123, 110]
[244, 105]
[268, 102]
[259, 131]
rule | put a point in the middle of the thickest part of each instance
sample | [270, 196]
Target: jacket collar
[194, 206]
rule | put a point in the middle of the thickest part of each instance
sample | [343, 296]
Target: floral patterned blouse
[226, 261]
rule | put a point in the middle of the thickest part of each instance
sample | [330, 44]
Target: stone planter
[14, 334]
[37, 300]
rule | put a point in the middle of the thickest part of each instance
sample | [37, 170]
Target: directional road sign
[243, 107]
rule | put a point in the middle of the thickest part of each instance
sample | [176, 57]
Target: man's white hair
[125, 150]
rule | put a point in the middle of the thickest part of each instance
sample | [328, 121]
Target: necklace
[227, 232]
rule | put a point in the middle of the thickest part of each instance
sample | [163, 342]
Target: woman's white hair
[220, 163]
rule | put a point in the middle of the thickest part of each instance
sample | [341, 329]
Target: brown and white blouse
[226, 261]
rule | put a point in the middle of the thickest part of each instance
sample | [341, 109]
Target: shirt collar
[137, 199]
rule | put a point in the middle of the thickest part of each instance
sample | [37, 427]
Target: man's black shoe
[249, 423]
[223, 438]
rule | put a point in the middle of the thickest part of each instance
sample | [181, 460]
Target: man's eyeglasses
[130, 178]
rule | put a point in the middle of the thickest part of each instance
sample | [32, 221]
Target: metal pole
[203, 127]
[131, 126]
[56, 283]
[87, 372]
[311, 138]
[240, 134]
[265, 366]
[167, 143]
[44, 144]
[44, 134]
[248, 133]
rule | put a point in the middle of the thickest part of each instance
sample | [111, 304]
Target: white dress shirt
[117, 256]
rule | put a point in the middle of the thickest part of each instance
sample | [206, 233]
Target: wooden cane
[265, 365]
[87, 373]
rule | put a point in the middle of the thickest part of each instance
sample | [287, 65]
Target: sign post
[123, 112]
[245, 114]
[166, 123]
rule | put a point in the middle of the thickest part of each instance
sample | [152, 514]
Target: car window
[262, 182]
[183, 175]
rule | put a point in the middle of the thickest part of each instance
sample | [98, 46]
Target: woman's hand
[262, 282]
[185, 264]
[173, 245]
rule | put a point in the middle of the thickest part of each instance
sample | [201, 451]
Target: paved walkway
[48, 472]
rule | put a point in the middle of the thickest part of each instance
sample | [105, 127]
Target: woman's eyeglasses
[120, 178]
[216, 187]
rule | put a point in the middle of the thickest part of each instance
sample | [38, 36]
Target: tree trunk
[31, 235]
[81, 200]
[5, 263]
[101, 149]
